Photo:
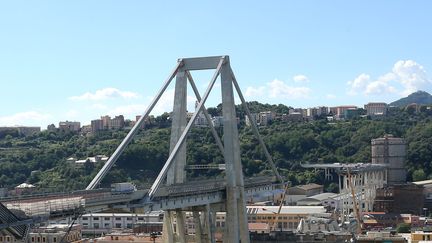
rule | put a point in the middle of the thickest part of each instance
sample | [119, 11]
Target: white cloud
[165, 104]
[72, 114]
[406, 77]
[412, 76]
[300, 78]
[331, 96]
[24, 118]
[252, 92]
[99, 106]
[278, 89]
[105, 93]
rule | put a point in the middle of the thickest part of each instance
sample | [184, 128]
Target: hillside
[419, 97]
[40, 159]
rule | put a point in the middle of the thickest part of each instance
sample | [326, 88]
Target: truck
[123, 187]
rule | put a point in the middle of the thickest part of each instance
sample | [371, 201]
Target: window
[117, 218]
[43, 239]
[106, 225]
[129, 226]
[55, 239]
[129, 218]
[140, 218]
[96, 225]
[106, 218]
[84, 218]
[118, 225]
[95, 218]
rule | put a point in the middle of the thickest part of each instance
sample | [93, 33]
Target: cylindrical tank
[390, 151]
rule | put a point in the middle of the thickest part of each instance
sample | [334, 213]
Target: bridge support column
[180, 222]
[209, 220]
[168, 233]
[198, 228]
[236, 227]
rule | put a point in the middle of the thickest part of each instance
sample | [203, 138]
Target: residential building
[421, 236]
[352, 113]
[340, 111]
[217, 121]
[255, 118]
[51, 128]
[103, 223]
[292, 117]
[117, 122]
[288, 218]
[311, 112]
[266, 117]
[322, 111]
[106, 122]
[376, 109]
[69, 126]
[96, 125]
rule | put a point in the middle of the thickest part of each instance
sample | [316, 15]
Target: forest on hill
[41, 159]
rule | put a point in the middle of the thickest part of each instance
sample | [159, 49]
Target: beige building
[376, 109]
[70, 126]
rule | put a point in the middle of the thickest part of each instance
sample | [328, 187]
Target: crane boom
[355, 206]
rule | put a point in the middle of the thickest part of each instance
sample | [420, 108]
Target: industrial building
[402, 198]
[390, 151]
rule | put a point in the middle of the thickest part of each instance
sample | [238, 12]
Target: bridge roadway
[186, 195]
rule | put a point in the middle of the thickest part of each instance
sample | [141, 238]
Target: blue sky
[78, 60]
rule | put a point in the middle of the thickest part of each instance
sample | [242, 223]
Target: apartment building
[70, 126]
[376, 109]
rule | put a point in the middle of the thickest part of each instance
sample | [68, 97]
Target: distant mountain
[419, 97]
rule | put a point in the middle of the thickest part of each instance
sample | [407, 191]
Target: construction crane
[355, 204]
[275, 221]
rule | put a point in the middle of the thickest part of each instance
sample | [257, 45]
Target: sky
[79, 60]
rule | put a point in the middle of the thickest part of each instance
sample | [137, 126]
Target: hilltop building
[69, 126]
[376, 109]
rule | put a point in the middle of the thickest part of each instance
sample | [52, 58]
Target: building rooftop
[323, 196]
[309, 186]
[355, 167]
[285, 209]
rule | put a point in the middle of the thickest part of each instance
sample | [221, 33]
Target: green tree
[418, 175]
[403, 228]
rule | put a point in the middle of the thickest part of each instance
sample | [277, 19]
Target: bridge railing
[47, 207]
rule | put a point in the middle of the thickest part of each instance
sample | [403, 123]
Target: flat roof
[155, 213]
[354, 167]
[285, 209]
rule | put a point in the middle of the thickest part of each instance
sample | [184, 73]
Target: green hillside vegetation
[40, 159]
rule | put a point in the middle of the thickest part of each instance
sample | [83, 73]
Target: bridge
[171, 191]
